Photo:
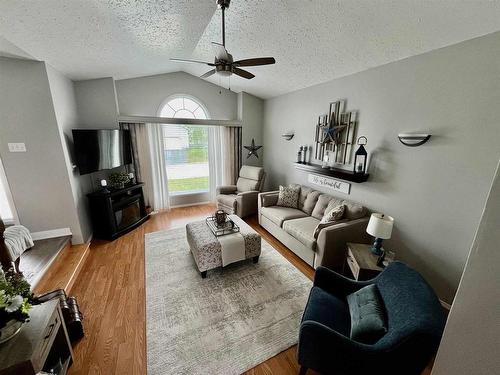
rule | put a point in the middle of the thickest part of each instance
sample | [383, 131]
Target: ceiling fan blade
[221, 52]
[208, 74]
[192, 61]
[243, 73]
[256, 61]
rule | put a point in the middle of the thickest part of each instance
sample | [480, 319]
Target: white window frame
[190, 122]
[10, 200]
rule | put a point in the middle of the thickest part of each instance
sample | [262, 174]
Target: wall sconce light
[413, 139]
[288, 135]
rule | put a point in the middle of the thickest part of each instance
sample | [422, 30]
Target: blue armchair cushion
[367, 313]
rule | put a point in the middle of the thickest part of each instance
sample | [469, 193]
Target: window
[186, 148]
[7, 211]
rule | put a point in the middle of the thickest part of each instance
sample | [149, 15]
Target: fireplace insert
[118, 211]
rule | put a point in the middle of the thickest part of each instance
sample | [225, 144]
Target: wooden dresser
[41, 344]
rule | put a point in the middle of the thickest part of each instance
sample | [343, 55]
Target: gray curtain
[132, 127]
[233, 147]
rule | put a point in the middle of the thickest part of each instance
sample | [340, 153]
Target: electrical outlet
[17, 147]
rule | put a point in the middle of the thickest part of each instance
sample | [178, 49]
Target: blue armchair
[415, 323]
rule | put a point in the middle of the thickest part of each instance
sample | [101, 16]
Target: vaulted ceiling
[313, 41]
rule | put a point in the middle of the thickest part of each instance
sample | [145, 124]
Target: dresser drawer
[353, 265]
[47, 338]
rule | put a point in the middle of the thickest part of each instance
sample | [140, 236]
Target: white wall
[38, 178]
[63, 97]
[472, 333]
[96, 102]
[435, 192]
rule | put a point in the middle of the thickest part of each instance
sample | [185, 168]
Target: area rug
[229, 322]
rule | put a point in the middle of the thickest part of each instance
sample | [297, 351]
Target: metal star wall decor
[252, 149]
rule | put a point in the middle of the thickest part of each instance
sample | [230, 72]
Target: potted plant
[15, 302]
[119, 179]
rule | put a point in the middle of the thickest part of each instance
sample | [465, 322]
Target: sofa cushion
[321, 205]
[328, 310]
[304, 191]
[353, 210]
[279, 214]
[246, 184]
[334, 202]
[367, 315]
[331, 217]
[288, 196]
[302, 230]
[310, 202]
[227, 199]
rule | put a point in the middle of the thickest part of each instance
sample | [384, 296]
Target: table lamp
[380, 227]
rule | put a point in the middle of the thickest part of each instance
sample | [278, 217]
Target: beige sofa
[294, 227]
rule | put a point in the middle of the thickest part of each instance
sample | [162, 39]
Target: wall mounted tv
[98, 149]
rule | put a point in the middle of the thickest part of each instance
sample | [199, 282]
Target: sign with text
[343, 187]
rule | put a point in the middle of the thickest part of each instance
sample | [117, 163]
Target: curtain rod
[180, 121]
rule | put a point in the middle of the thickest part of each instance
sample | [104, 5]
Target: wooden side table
[361, 261]
[40, 345]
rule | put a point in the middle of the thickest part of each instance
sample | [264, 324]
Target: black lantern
[360, 156]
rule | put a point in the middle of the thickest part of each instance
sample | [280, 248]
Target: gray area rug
[229, 322]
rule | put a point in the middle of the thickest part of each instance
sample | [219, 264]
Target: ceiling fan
[224, 63]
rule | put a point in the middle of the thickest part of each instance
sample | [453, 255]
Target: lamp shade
[380, 226]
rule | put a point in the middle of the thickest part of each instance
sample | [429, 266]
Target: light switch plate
[17, 147]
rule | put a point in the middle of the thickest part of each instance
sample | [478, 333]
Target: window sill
[185, 193]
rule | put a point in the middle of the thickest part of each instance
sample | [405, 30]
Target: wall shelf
[341, 174]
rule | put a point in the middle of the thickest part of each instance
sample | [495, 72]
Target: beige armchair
[241, 199]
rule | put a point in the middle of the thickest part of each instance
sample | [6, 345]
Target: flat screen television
[98, 149]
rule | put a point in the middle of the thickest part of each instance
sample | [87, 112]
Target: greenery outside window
[186, 148]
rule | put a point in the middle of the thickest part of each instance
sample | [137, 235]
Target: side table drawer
[353, 265]
[46, 340]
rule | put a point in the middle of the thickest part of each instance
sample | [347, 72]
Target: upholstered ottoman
[206, 248]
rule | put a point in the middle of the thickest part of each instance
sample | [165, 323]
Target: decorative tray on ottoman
[229, 227]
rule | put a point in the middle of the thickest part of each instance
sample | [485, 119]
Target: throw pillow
[367, 312]
[330, 218]
[289, 196]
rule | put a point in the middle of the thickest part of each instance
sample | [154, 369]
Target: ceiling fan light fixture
[223, 62]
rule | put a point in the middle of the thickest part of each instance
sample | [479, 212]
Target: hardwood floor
[111, 292]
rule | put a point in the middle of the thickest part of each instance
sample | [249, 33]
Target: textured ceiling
[313, 41]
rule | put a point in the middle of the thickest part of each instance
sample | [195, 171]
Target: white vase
[11, 329]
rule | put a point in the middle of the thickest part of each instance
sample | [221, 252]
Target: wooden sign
[342, 186]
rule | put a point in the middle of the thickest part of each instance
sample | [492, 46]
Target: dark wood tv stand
[115, 212]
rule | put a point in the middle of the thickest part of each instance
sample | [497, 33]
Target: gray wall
[96, 102]
[65, 107]
[143, 96]
[38, 178]
[251, 114]
[470, 341]
[435, 192]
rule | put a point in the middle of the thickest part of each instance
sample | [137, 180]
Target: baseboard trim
[60, 232]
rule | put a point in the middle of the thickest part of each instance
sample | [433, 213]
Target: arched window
[183, 106]
[186, 149]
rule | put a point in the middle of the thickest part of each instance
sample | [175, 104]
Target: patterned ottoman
[206, 248]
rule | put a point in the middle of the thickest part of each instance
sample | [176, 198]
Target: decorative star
[252, 149]
[331, 134]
